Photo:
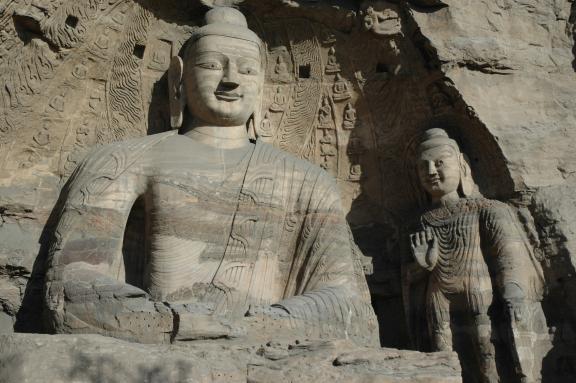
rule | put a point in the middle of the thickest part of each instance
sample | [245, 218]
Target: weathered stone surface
[93, 358]
[512, 63]
[78, 74]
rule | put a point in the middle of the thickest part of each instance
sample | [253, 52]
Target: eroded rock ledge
[94, 358]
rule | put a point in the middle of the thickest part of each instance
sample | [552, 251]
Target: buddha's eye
[248, 69]
[213, 65]
[439, 163]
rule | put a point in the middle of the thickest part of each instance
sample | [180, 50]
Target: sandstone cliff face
[512, 62]
[505, 67]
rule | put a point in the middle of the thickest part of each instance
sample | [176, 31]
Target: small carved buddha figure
[349, 117]
[325, 112]
[265, 127]
[355, 172]
[281, 70]
[205, 232]
[279, 101]
[478, 263]
[332, 65]
[340, 89]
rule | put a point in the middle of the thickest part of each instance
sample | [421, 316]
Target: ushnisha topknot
[435, 137]
[225, 21]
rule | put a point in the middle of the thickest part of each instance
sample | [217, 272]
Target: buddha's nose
[230, 78]
[431, 168]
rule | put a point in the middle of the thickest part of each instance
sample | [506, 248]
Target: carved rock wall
[343, 90]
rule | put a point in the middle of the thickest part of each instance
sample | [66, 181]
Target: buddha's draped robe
[265, 230]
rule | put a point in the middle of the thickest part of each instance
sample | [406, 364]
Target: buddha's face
[439, 170]
[223, 79]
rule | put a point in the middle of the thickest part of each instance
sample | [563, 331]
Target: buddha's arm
[332, 297]
[85, 289]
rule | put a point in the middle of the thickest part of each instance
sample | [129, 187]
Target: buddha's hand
[199, 323]
[267, 311]
[424, 247]
[267, 322]
[515, 301]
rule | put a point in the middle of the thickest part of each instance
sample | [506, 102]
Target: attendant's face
[223, 79]
[439, 170]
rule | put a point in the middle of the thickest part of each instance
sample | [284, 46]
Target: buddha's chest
[459, 245]
[191, 205]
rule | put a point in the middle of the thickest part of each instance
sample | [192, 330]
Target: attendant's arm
[516, 272]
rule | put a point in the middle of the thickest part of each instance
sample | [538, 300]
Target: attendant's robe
[266, 232]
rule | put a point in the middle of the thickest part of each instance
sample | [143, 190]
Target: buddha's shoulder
[121, 153]
[129, 147]
[491, 209]
[267, 153]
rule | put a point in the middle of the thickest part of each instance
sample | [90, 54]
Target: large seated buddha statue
[238, 238]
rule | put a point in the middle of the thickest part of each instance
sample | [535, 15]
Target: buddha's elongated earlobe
[255, 119]
[175, 91]
[467, 186]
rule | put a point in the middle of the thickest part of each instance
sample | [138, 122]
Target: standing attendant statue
[472, 261]
[206, 232]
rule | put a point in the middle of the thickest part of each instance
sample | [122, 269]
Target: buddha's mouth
[228, 96]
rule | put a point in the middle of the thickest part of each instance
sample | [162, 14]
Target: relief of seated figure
[238, 238]
[481, 283]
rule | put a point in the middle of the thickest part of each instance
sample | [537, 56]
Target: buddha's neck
[446, 199]
[222, 137]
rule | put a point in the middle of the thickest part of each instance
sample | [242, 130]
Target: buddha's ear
[255, 119]
[467, 185]
[175, 92]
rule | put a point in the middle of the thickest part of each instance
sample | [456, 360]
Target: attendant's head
[442, 169]
[221, 74]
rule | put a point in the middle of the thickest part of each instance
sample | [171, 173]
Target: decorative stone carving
[340, 89]
[396, 82]
[266, 129]
[325, 114]
[332, 65]
[481, 281]
[281, 70]
[382, 18]
[280, 100]
[349, 117]
[355, 172]
[205, 234]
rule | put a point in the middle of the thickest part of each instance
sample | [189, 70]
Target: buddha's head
[442, 169]
[220, 76]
